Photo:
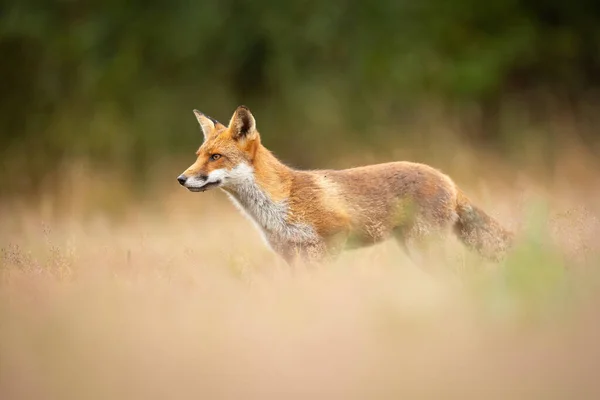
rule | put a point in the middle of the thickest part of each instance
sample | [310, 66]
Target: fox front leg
[296, 254]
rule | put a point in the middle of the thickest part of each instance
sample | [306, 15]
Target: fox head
[225, 157]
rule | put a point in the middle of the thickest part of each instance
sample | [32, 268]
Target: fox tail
[480, 232]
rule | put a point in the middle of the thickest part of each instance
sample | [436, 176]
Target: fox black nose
[181, 179]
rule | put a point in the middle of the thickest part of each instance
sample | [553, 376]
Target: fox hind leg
[424, 247]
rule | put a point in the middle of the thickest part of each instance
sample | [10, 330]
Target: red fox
[314, 215]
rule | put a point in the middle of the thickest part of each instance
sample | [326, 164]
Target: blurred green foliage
[116, 81]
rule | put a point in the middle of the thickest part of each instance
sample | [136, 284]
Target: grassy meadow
[105, 294]
[117, 283]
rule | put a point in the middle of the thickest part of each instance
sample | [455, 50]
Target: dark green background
[115, 81]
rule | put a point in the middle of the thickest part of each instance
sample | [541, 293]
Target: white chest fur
[270, 216]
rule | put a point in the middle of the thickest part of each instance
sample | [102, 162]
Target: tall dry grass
[174, 296]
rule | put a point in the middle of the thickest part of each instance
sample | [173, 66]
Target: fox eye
[215, 157]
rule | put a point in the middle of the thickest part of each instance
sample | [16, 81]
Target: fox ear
[206, 123]
[242, 124]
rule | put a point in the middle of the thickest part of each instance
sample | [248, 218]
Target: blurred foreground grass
[175, 296]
